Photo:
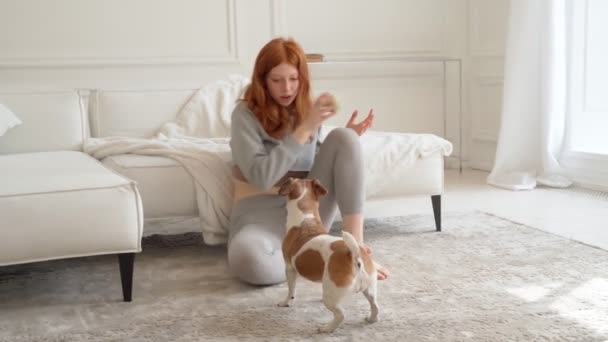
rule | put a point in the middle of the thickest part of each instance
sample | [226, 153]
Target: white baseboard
[586, 169]
[481, 165]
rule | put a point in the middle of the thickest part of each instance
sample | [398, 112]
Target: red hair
[273, 117]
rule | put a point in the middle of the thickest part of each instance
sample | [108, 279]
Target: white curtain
[534, 98]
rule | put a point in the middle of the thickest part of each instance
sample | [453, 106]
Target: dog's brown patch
[310, 265]
[293, 188]
[297, 236]
[295, 191]
[309, 203]
[340, 266]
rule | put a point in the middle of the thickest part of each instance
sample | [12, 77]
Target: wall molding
[279, 28]
[487, 53]
[586, 169]
[483, 165]
[415, 100]
[374, 69]
[478, 47]
[386, 55]
[229, 57]
[479, 133]
[485, 137]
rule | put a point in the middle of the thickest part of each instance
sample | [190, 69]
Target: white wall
[378, 53]
[487, 41]
[113, 43]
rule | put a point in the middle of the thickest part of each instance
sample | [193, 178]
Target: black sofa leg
[126, 261]
[436, 200]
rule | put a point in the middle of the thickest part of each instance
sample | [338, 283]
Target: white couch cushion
[134, 113]
[54, 120]
[65, 204]
[424, 177]
[8, 119]
[166, 188]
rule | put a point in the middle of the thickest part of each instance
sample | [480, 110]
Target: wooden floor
[575, 213]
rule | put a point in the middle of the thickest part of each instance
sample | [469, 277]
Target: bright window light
[588, 100]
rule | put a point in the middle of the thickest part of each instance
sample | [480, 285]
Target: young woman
[275, 135]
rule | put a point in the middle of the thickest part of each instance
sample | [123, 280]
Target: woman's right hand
[323, 108]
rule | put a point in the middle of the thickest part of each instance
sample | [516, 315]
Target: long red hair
[274, 118]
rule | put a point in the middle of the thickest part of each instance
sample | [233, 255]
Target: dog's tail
[361, 275]
[353, 246]
[351, 243]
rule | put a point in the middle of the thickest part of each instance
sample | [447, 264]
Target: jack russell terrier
[340, 264]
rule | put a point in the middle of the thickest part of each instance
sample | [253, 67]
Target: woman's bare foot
[383, 272]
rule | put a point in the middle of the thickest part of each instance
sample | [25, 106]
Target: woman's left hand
[366, 248]
[362, 126]
[382, 272]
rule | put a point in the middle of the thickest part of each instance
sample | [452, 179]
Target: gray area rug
[483, 278]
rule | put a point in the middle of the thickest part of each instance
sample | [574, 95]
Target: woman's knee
[256, 258]
[344, 138]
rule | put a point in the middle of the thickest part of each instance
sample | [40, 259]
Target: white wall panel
[406, 97]
[92, 32]
[185, 43]
[488, 26]
[487, 105]
[488, 20]
[360, 29]
[156, 44]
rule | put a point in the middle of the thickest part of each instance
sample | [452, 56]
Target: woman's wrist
[302, 134]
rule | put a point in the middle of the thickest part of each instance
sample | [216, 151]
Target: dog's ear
[317, 188]
[285, 188]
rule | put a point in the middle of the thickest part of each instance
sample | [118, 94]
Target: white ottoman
[65, 204]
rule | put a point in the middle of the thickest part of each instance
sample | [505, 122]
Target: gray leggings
[257, 223]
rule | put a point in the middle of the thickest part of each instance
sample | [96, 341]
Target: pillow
[8, 120]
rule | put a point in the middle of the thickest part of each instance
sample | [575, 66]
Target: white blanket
[206, 160]
[197, 139]
[207, 113]
[387, 154]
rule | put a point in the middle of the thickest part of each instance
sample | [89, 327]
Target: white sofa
[56, 201]
[167, 190]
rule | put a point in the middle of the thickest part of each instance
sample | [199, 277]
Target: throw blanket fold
[197, 139]
[206, 160]
[387, 154]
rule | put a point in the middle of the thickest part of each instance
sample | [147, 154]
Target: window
[586, 150]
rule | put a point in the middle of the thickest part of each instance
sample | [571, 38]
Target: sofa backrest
[52, 120]
[134, 113]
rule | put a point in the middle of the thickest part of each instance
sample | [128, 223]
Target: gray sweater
[262, 159]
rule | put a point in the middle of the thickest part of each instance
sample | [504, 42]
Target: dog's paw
[371, 319]
[285, 304]
[326, 329]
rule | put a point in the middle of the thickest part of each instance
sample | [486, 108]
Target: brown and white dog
[340, 264]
